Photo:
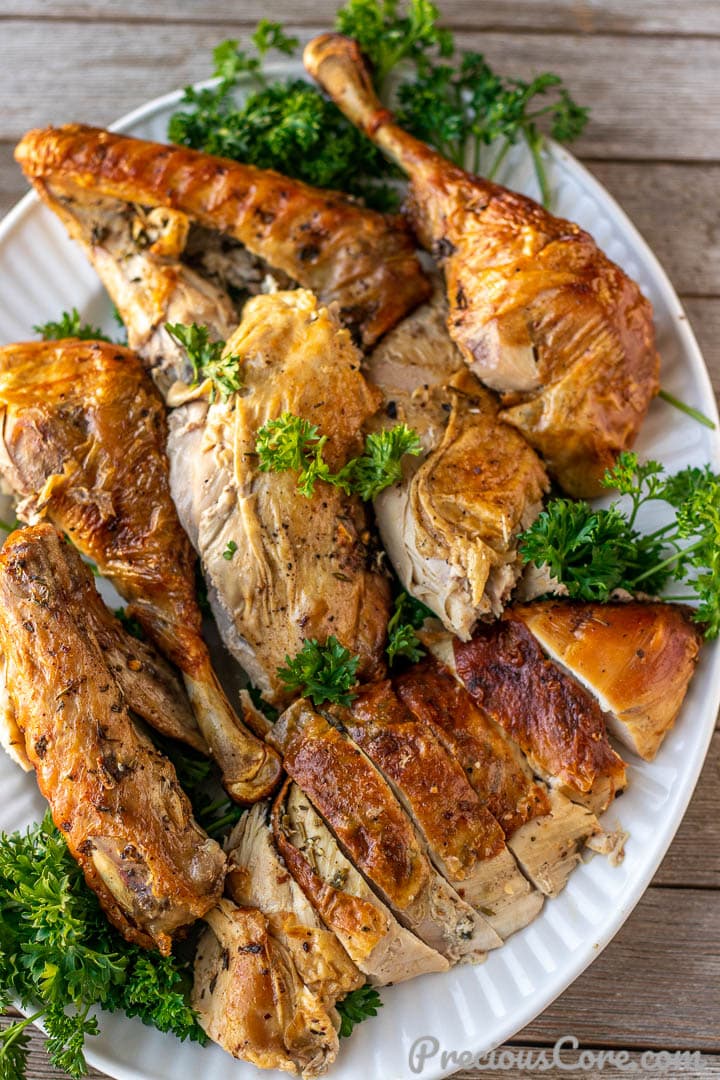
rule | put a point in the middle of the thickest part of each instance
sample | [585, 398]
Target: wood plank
[694, 855]
[567, 16]
[675, 208]
[654, 986]
[653, 84]
[704, 315]
[515, 1059]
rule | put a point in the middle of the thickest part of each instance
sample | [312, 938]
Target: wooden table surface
[649, 69]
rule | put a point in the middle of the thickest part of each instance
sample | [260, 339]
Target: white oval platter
[470, 1010]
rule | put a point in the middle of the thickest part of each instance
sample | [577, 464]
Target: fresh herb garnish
[451, 99]
[322, 672]
[269, 711]
[207, 359]
[230, 549]
[380, 465]
[286, 125]
[61, 957]
[70, 325]
[291, 443]
[682, 406]
[595, 551]
[356, 1007]
[408, 616]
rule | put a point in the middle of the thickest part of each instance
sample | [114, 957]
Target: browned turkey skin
[113, 796]
[83, 442]
[348, 255]
[539, 312]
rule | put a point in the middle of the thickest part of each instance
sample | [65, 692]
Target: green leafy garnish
[322, 672]
[61, 957]
[452, 99]
[682, 406]
[286, 125]
[595, 551]
[356, 1007]
[70, 325]
[388, 37]
[207, 359]
[291, 443]
[408, 616]
[380, 465]
[230, 549]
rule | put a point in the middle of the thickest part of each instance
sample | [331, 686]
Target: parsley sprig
[284, 124]
[70, 325]
[357, 1006]
[207, 359]
[408, 616]
[290, 443]
[322, 672]
[595, 551]
[451, 99]
[61, 957]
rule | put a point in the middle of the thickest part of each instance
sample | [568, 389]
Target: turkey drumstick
[539, 312]
[83, 443]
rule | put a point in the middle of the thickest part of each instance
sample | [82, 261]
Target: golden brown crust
[95, 473]
[455, 824]
[548, 714]
[637, 658]
[116, 800]
[436, 698]
[536, 308]
[354, 800]
[360, 924]
[83, 440]
[346, 254]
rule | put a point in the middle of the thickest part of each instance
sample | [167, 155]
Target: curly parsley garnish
[70, 325]
[207, 359]
[595, 551]
[451, 99]
[408, 616]
[286, 125]
[292, 443]
[322, 672]
[356, 1007]
[61, 957]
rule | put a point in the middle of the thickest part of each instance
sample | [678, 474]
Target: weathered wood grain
[704, 315]
[694, 855]
[654, 986]
[574, 16]
[653, 84]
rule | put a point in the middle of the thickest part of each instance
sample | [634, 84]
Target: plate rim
[673, 816]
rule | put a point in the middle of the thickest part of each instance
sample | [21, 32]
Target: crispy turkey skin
[353, 257]
[115, 799]
[539, 312]
[83, 444]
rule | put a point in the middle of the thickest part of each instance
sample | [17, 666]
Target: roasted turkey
[353, 257]
[83, 444]
[538, 311]
[450, 526]
[115, 799]
[300, 568]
